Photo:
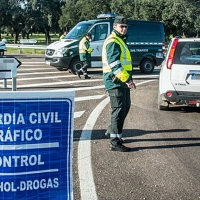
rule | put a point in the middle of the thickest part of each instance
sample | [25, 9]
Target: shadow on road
[130, 134]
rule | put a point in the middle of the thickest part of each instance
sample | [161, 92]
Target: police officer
[63, 35]
[117, 76]
[85, 55]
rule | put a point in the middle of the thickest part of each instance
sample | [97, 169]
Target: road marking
[33, 62]
[56, 83]
[42, 78]
[89, 97]
[34, 73]
[87, 185]
[32, 69]
[78, 114]
[146, 76]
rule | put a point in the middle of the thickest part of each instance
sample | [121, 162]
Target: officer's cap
[121, 20]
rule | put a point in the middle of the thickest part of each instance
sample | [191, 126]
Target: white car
[179, 81]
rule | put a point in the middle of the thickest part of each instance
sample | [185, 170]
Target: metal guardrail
[23, 46]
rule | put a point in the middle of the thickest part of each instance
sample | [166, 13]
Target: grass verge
[25, 51]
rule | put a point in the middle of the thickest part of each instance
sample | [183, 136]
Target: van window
[99, 32]
[78, 31]
[144, 33]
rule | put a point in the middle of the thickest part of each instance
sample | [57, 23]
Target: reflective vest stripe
[116, 135]
[118, 71]
[114, 64]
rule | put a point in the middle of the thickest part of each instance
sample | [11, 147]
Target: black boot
[118, 146]
[87, 77]
[78, 73]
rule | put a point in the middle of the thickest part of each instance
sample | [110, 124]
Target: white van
[146, 42]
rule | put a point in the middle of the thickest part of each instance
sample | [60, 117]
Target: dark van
[146, 42]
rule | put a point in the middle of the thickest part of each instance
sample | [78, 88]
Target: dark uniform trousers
[120, 104]
[86, 64]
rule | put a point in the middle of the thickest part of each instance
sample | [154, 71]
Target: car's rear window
[187, 53]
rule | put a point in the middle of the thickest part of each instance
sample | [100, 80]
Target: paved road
[164, 161]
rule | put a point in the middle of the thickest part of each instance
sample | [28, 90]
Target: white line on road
[84, 88]
[78, 114]
[33, 62]
[56, 83]
[89, 97]
[32, 69]
[87, 185]
[42, 78]
[34, 73]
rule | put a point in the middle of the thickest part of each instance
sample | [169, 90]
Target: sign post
[8, 70]
[28, 41]
[36, 138]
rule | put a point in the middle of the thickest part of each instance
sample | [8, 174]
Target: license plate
[47, 62]
[192, 101]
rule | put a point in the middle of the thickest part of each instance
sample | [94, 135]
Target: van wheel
[147, 66]
[75, 65]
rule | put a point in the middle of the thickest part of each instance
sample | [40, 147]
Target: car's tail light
[170, 59]
[169, 94]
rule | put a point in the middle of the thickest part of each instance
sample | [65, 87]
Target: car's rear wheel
[147, 66]
[75, 65]
[161, 107]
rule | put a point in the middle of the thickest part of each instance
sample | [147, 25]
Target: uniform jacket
[85, 50]
[117, 62]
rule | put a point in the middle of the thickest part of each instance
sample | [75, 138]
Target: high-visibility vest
[122, 73]
[83, 48]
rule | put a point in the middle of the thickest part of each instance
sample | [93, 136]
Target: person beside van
[117, 76]
[63, 35]
[85, 55]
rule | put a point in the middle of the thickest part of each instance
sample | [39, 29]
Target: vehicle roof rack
[106, 16]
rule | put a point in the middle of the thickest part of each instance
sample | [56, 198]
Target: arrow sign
[9, 64]
[32, 41]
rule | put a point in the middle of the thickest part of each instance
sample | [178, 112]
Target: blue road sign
[36, 137]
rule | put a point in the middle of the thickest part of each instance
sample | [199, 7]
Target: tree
[123, 7]
[76, 11]
[14, 17]
[46, 15]
[69, 16]
[11, 16]
[3, 6]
